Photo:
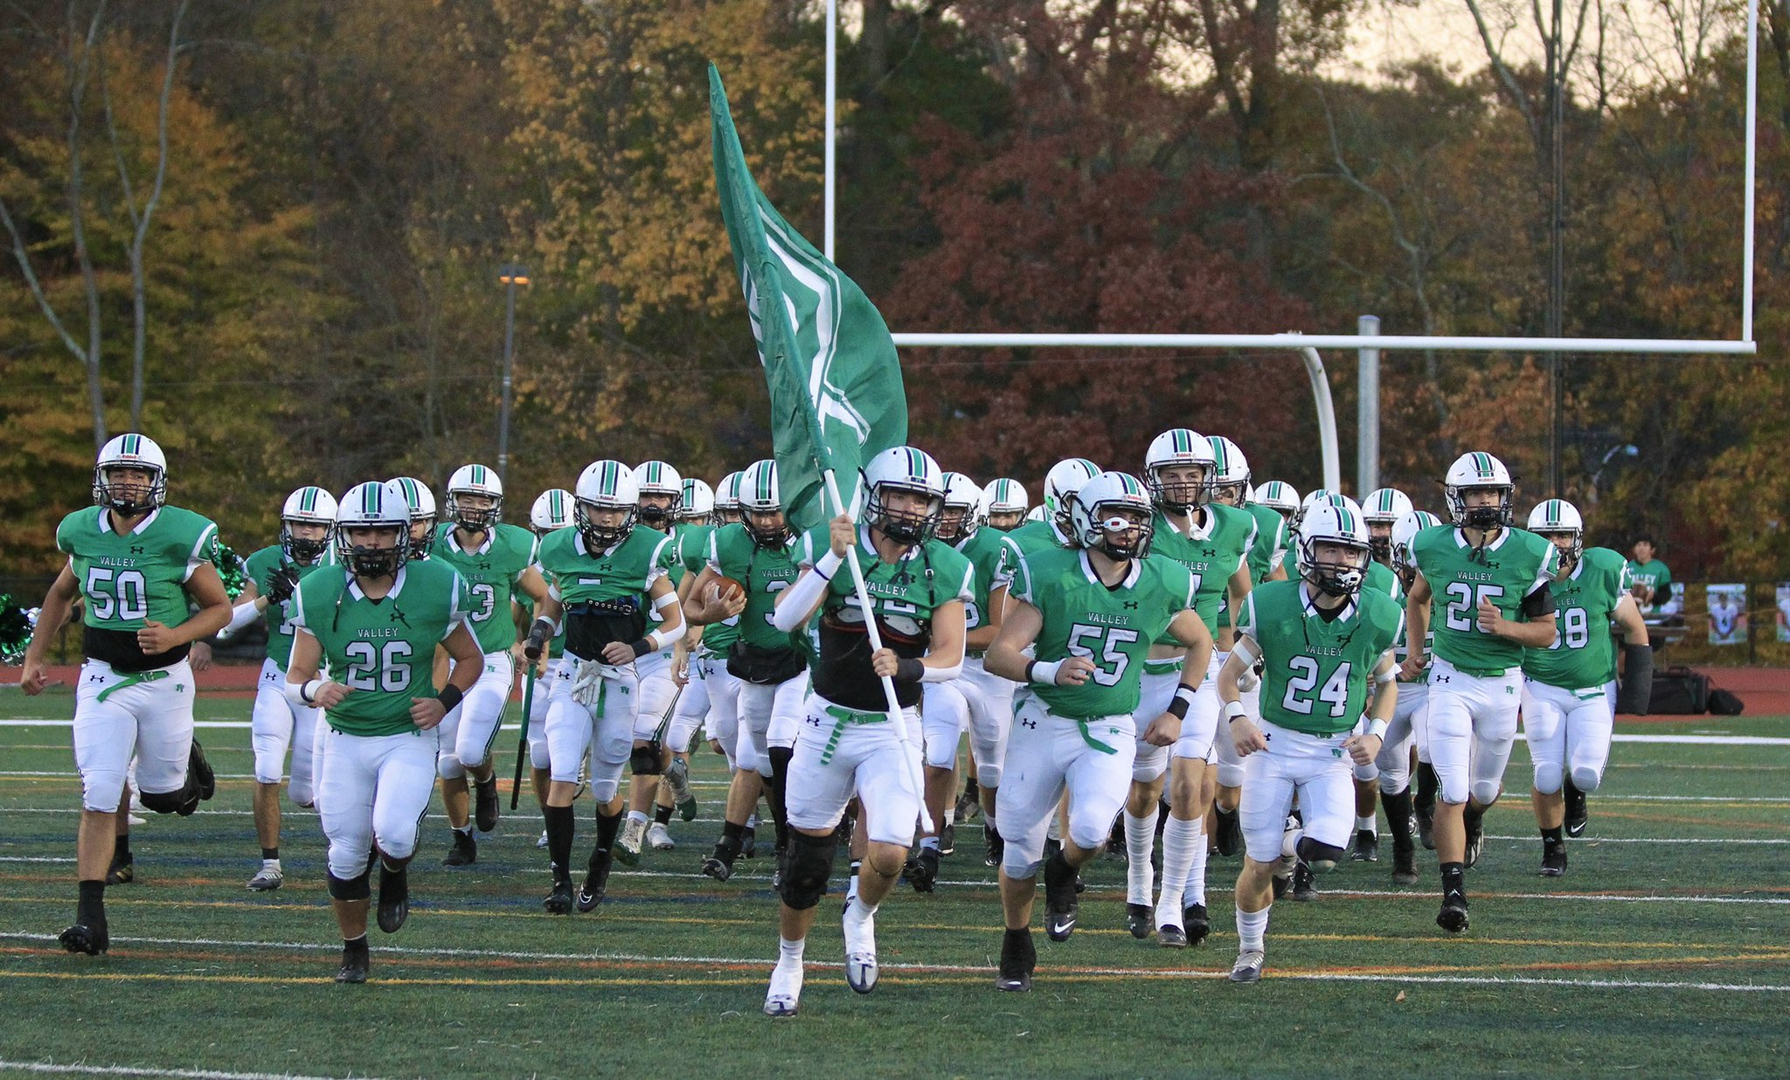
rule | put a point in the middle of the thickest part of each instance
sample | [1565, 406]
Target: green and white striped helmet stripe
[916, 465]
[370, 500]
[1183, 440]
[556, 504]
[478, 476]
[1553, 511]
[132, 444]
[1220, 456]
[610, 480]
[1345, 519]
[764, 484]
[1482, 464]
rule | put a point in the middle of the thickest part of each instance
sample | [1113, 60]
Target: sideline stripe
[144, 1070]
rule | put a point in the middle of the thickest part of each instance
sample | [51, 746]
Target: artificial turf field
[1663, 950]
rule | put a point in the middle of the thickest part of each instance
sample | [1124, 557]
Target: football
[730, 587]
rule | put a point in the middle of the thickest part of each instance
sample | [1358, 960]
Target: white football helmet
[1557, 517]
[1180, 447]
[698, 502]
[1107, 504]
[375, 505]
[963, 495]
[1279, 496]
[1036, 513]
[474, 480]
[1329, 523]
[1320, 497]
[1231, 471]
[760, 494]
[552, 511]
[1382, 509]
[1064, 479]
[131, 451]
[903, 468]
[1404, 532]
[422, 512]
[606, 485]
[1005, 498]
[727, 499]
[307, 506]
[1473, 470]
[659, 478]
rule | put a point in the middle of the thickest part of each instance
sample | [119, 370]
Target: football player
[1394, 761]
[1483, 586]
[917, 587]
[135, 563]
[1053, 527]
[694, 524]
[1004, 504]
[374, 621]
[1321, 640]
[551, 512]
[307, 525]
[1569, 689]
[1382, 508]
[1094, 614]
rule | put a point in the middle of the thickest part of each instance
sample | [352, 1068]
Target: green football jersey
[260, 568]
[764, 572]
[1316, 671]
[1037, 536]
[988, 552]
[1507, 570]
[140, 576]
[383, 649]
[1655, 575]
[691, 549]
[1112, 627]
[1270, 541]
[1381, 579]
[1584, 654]
[578, 574]
[903, 597]
[491, 572]
[1211, 553]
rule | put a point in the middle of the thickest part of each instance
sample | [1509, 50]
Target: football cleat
[1195, 923]
[923, 871]
[719, 865]
[200, 770]
[967, 807]
[677, 778]
[122, 871]
[1304, 882]
[1228, 836]
[1404, 866]
[1577, 814]
[1553, 861]
[1170, 936]
[659, 837]
[1475, 840]
[596, 881]
[541, 844]
[484, 801]
[947, 838]
[1018, 960]
[268, 879]
[1367, 846]
[994, 847]
[1453, 916]
[785, 993]
[627, 849]
[559, 901]
[88, 935]
[465, 851]
[1060, 907]
[394, 898]
[1137, 920]
[354, 963]
[1426, 825]
[1248, 968]
[860, 949]
[749, 843]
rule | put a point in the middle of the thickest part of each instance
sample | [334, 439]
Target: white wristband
[1044, 672]
[1232, 710]
[665, 601]
[1377, 728]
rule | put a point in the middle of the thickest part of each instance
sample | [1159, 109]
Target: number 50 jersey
[384, 650]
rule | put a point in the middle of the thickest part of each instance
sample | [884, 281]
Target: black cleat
[1553, 861]
[749, 843]
[1453, 916]
[121, 871]
[967, 807]
[394, 898]
[559, 901]
[465, 851]
[1577, 814]
[948, 839]
[842, 835]
[1426, 826]
[994, 847]
[88, 935]
[923, 870]
[1367, 846]
[1171, 937]
[596, 881]
[1060, 907]
[1228, 836]
[1080, 885]
[354, 962]
[484, 804]
[200, 770]
[1137, 920]
[1404, 865]
[1475, 840]
[719, 865]
[1018, 959]
[1195, 923]
[1304, 882]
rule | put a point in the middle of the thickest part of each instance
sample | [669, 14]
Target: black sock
[1057, 870]
[121, 846]
[662, 814]
[970, 789]
[733, 836]
[607, 826]
[1554, 838]
[1398, 814]
[92, 899]
[1472, 817]
[774, 789]
[1454, 880]
[1427, 783]
[270, 853]
[560, 827]
[355, 948]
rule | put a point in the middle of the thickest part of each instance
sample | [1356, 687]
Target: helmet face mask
[768, 528]
[1179, 489]
[1474, 513]
[373, 529]
[903, 514]
[307, 548]
[961, 516]
[1114, 516]
[1571, 544]
[1337, 569]
[474, 511]
[604, 525]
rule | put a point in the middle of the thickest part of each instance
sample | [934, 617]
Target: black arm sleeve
[1539, 603]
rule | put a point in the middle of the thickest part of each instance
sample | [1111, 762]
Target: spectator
[1649, 579]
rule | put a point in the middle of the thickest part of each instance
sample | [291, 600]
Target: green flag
[835, 382]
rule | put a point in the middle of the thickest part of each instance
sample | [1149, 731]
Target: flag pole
[897, 715]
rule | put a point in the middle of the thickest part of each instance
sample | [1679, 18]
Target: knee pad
[1486, 792]
[941, 754]
[164, 802]
[603, 791]
[1547, 778]
[1318, 855]
[448, 767]
[806, 867]
[1585, 778]
[644, 760]
[354, 888]
[1230, 776]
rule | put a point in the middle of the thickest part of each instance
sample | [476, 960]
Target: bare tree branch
[78, 74]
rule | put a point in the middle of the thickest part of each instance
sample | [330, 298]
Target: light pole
[511, 275]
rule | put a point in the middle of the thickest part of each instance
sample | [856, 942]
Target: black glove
[1636, 692]
[537, 639]
[281, 584]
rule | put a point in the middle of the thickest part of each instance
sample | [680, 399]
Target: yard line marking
[144, 1070]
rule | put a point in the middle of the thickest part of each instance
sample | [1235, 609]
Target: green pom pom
[230, 568]
[16, 625]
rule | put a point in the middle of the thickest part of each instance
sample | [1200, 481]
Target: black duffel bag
[1679, 691]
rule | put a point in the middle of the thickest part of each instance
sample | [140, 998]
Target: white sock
[790, 952]
[851, 889]
[636, 815]
[1179, 838]
[929, 842]
[270, 864]
[1365, 824]
[858, 910]
[988, 821]
[1054, 832]
[1140, 839]
[1252, 926]
[1195, 891]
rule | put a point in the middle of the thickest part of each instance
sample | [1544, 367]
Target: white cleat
[1248, 967]
[633, 834]
[786, 990]
[542, 842]
[860, 948]
[269, 878]
[660, 837]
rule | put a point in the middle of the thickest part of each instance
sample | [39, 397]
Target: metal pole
[1752, 105]
[1557, 244]
[1320, 392]
[1367, 411]
[509, 355]
[1292, 340]
[826, 241]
